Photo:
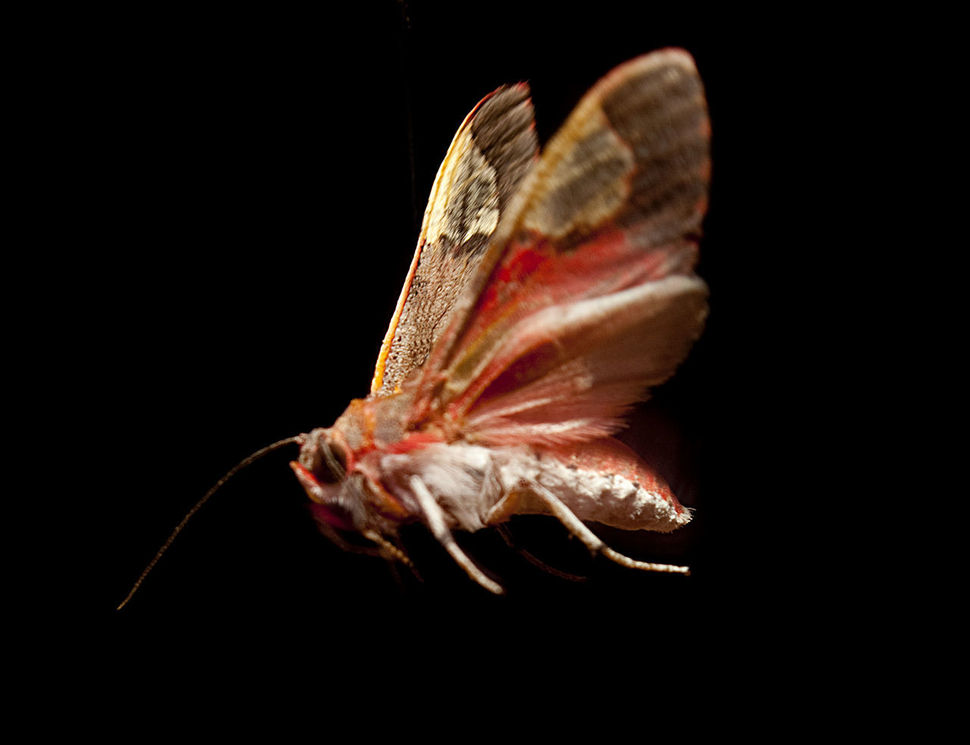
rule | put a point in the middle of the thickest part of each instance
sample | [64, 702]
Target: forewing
[491, 153]
[586, 295]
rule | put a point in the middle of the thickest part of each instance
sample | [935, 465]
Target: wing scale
[491, 153]
[586, 295]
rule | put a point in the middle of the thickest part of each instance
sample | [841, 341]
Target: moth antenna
[248, 460]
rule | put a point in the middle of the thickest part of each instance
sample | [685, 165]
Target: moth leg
[590, 539]
[389, 550]
[337, 540]
[393, 552]
[504, 508]
[435, 521]
[535, 560]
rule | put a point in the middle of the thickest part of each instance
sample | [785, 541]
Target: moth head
[322, 468]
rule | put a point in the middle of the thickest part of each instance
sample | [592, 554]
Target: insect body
[546, 295]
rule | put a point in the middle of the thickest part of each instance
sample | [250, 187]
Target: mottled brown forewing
[491, 153]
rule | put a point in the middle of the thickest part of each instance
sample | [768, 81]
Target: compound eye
[334, 457]
[324, 457]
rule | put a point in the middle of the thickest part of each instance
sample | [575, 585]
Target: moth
[547, 295]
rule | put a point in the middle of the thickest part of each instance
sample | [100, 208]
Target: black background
[236, 211]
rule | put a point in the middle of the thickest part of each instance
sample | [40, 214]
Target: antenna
[249, 459]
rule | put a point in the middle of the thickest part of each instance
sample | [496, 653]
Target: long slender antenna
[296, 439]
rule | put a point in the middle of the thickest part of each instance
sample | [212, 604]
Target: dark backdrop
[240, 211]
